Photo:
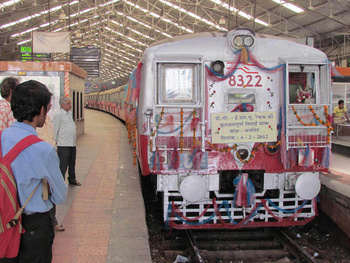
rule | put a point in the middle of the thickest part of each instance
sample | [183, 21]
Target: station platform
[104, 218]
[335, 191]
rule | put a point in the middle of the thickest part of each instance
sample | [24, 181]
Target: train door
[307, 100]
[179, 108]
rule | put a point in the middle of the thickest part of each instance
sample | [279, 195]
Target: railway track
[261, 245]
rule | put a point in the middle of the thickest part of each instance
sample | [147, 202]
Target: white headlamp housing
[240, 38]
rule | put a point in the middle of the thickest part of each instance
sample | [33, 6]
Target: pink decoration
[242, 191]
[197, 159]
[174, 156]
[194, 123]
[170, 123]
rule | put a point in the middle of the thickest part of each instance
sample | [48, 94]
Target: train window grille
[299, 135]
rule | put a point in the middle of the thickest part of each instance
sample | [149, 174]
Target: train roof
[266, 47]
[108, 91]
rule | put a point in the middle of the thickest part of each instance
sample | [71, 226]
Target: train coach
[234, 126]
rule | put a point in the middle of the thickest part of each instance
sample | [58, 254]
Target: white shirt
[65, 130]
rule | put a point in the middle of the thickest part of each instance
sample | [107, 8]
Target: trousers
[67, 156]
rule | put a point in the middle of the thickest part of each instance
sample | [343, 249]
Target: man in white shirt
[65, 136]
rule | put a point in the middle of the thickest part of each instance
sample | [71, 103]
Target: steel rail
[194, 247]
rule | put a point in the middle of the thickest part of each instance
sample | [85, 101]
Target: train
[233, 126]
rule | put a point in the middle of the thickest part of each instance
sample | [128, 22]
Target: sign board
[51, 42]
[237, 127]
[28, 55]
[88, 59]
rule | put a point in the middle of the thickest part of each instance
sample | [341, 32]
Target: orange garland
[181, 130]
[134, 141]
[194, 129]
[156, 129]
[299, 119]
[328, 124]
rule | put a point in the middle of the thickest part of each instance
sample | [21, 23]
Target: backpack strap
[19, 147]
[10, 157]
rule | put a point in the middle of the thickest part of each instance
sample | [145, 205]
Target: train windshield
[303, 84]
[177, 83]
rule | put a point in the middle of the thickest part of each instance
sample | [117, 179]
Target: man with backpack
[33, 166]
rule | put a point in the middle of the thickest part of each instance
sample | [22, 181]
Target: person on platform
[30, 104]
[339, 113]
[6, 116]
[65, 136]
[47, 134]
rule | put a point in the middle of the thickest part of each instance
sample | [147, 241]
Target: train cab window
[178, 83]
[241, 101]
[303, 84]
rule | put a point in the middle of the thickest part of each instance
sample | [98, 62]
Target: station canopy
[122, 29]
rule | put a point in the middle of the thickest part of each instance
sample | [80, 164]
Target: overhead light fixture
[62, 15]
[310, 6]
[331, 14]
[222, 21]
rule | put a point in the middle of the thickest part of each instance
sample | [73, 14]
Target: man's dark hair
[340, 102]
[8, 85]
[28, 98]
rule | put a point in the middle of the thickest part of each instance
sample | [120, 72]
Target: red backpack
[10, 209]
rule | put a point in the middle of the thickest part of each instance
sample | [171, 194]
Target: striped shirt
[6, 116]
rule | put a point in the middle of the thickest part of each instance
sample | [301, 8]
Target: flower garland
[272, 146]
[134, 141]
[181, 130]
[128, 127]
[299, 119]
[156, 129]
[221, 149]
[251, 155]
[194, 129]
[327, 123]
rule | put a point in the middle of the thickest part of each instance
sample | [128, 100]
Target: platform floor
[104, 219]
[339, 177]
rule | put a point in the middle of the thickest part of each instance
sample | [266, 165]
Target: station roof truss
[122, 29]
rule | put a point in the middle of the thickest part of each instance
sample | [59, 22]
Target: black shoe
[75, 183]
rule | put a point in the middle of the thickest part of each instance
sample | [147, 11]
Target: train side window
[178, 83]
[303, 82]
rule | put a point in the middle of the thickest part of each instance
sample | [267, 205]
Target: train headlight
[243, 153]
[248, 41]
[241, 37]
[243, 41]
[218, 66]
[238, 41]
[308, 185]
[193, 188]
